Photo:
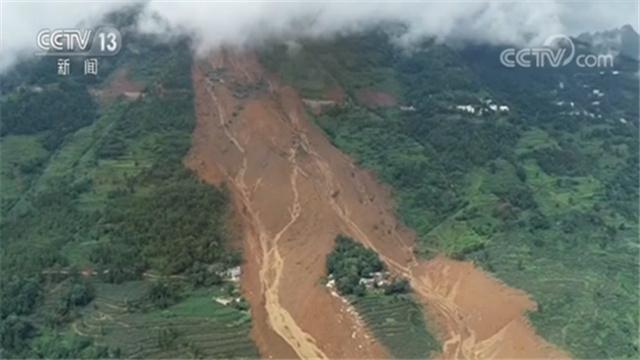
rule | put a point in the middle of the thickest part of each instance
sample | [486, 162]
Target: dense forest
[519, 191]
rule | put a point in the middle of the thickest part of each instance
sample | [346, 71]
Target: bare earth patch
[121, 85]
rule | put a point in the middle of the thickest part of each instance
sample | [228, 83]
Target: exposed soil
[294, 193]
[375, 99]
[262, 153]
[483, 318]
[120, 85]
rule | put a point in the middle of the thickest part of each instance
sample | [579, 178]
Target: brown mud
[294, 192]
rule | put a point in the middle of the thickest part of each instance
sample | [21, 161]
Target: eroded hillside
[295, 192]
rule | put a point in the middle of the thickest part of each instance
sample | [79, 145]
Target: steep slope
[295, 192]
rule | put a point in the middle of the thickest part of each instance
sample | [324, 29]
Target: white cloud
[244, 23]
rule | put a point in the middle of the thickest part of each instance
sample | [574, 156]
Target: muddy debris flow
[294, 192]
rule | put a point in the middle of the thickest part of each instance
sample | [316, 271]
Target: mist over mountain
[623, 41]
[244, 24]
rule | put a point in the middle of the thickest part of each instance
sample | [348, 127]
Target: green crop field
[197, 326]
[398, 322]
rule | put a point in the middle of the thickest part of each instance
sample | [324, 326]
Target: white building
[223, 301]
[467, 108]
[233, 273]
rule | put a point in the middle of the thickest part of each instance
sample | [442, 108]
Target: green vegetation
[96, 198]
[59, 109]
[398, 321]
[69, 346]
[385, 304]
[545, 195]
[349, 262]
[196, 326]
[23, 157]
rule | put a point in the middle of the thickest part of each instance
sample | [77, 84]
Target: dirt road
[295, 192]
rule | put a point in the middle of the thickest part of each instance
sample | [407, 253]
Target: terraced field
[398, 323]
[195, 327]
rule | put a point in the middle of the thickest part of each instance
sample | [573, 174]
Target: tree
[18, 295]
[15, 332]
[398, 286]
[163, 293]
[349, 262]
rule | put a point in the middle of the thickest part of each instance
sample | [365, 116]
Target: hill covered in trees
[104, 232]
